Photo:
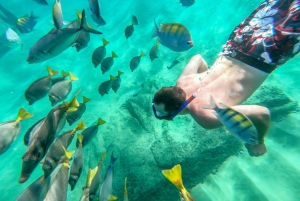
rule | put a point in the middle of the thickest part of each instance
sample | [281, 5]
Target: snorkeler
[262, 42]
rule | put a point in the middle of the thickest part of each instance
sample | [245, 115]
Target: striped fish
[174, 36]
[26, 23]
[238, 124]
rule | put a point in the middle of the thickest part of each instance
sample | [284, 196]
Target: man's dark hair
[172, 97]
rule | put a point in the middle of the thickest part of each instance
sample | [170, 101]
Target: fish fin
[72, 77]
[80, 126]
[51, 72]
[68, 154]
[120, 72]
[112, 77]
[72, 105]
[23, 114]
[222, 106]
[156, 30]
[142, 54]
[84, 26]
[186, 195]
[100, 122]
[174, 176]
[91, 175]
[212, 105]
[64, 73]
[105, 42]
[114, 55]
[112, 197]
[79, 16]
[80, 138]
[85, 99]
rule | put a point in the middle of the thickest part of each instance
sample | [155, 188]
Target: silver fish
[135, 61]
[42, 2]
[187, 3]
[77, 165]
[105, 86]
[56, 41]
[26, 23]
[11, 129]
[99, 53]
[57, 15]
[86, 190]
[134, 20]
[129, 31]
[40, 88]
[59, 79]
[95, 185]
[154, 52]
[76, 115]
[174, 36]
[30, 133]
[115, 85]
[108, 62]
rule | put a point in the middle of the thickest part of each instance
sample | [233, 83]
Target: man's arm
[196, 65]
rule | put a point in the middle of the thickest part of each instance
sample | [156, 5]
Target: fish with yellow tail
[40, 88]
[174, 176]
[105, 86]
[238, 124]
[129, 30]
[76, 115]
[86, 190]
[56, 151]
[96, 181]
[99, 53]
[59, 79]
[135, 61]
[154, 51]
[59, 186]
[11, 129]
[108, 62]
[125, 190]
[77, 164]
[115, 85]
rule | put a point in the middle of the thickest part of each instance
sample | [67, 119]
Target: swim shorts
[269, 37]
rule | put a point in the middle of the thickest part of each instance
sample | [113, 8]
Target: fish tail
[112, 197]
[114, 55]
[105, 42]
[80, 138]
[23, 114]
[156, 30]
[64, 73]
[120, 72]
[142, 54]
[102, 156]
[113, 159]
[85, 99]
[84, 26]
[212, 105]
[78, 14]
[100, 122]
[68, 154]
[174, 176]
[186, 195]
[51, 72]
[91, 175]
[80, 126]
[112, 77]
[72, 105]
[72, 77]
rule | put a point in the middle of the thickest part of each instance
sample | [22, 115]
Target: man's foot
[256, 150]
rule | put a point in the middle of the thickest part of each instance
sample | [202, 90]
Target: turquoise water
[215, 166]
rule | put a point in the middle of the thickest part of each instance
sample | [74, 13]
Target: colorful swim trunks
[269, 37]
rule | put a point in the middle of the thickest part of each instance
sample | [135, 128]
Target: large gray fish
[40, 88]
[77, 164]
[61, 90]
[31, 132]
[56, 41]
[135, 61]
[174, 36]
[99, 53]
[106, 187]
[105, 86]
[26, 23]
[45, 135]
[59, 79]
[86, 190]
[59, 187]
[76, 115]
[95, 185]
[56, 151]
[115, 85]
[134, 20]
[36, 191]
[187, 3]
[129, 31]
[10, 130]
[90, 132]
[57, 15]
[154, 52]
[108, 62]
[42, 2]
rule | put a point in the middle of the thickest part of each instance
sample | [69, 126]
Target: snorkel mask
[176, 112]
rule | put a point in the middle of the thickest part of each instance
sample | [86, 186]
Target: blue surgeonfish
[129, 31]
[61, 90]
[56, 41]
[26, 23]
[77, 164]
[59, 187]
[90, 132]
[238, 124]
[115, 85]
[86, 190]
[154, 51]
[59, 79]
[45, 136]
[99, 53]
[76, 115]
[187, 3]
[105, 86]
[125, 190]
[40, 88]
[174, 176]
[57, 14]
[108, 62]
[42, 2]
[106, 186]
[134, 20]
[94, 188]
[135, 61]
[174, 36]
[10, 130]
[56, 151]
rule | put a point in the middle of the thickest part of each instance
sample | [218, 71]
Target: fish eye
[31, 58]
